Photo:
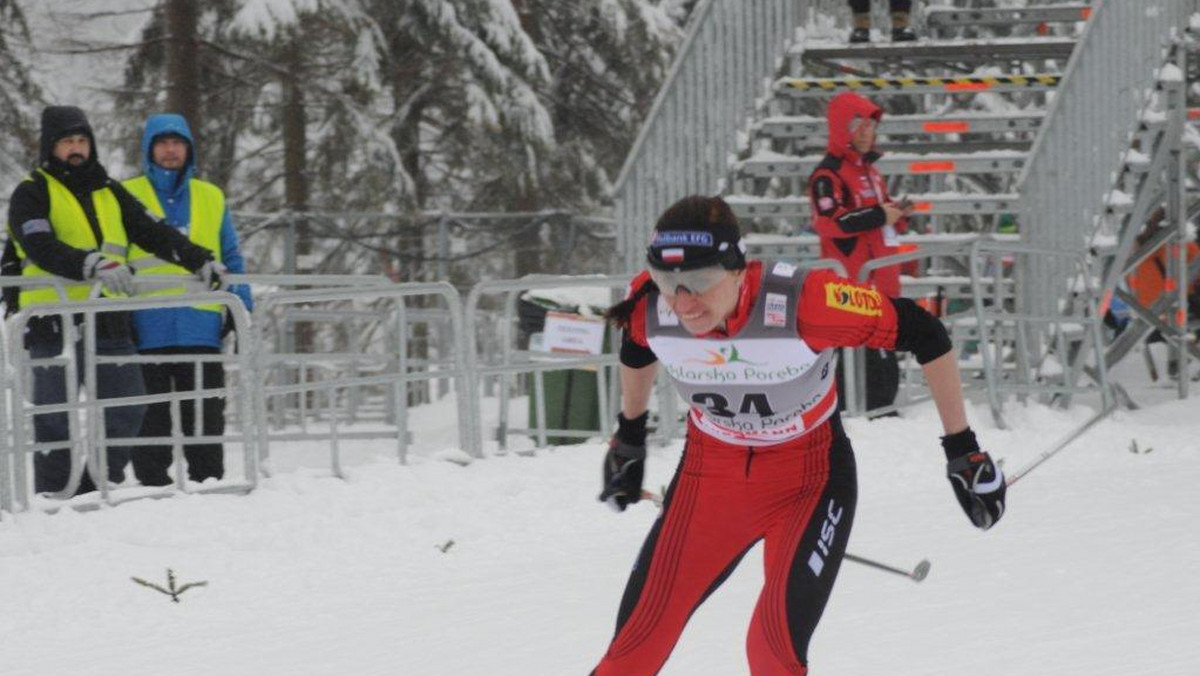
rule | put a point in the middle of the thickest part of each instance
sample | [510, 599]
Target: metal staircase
[1033, 127]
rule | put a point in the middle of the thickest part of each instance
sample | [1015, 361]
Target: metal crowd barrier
[393, 369]
[1065, 333]
[993, 288]
[512, 361]
[86, 442]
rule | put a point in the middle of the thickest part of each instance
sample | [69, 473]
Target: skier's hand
[977, 482]
[625, 463]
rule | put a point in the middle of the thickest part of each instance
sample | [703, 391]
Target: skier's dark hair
[621, 314]
[694, 214]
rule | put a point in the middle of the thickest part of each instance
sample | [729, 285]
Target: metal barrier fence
[269, 367]
[1021, 350]
[512, 361]
[87, 443]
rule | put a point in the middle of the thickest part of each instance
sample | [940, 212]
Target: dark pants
[864, 6]
[150, 463]
[52, 469]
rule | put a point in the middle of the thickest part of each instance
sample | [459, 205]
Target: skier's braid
[621, 313]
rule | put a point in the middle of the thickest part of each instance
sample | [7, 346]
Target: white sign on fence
[572, 333]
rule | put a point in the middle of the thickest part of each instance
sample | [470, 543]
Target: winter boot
[862, 29]
[901, 28]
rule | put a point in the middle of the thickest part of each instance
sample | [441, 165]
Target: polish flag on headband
[672, 255]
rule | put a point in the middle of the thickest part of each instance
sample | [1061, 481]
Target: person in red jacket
[750, 347]
[852, 213]
[856, 219]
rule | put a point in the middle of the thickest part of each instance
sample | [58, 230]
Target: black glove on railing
[977, 482]
[625, 463]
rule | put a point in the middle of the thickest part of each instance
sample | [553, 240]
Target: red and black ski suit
[847, 194]
[797, 496]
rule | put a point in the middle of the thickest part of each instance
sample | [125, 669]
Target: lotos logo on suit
[851, 298]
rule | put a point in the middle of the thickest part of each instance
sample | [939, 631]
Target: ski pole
[916, 574]
[1062, 443]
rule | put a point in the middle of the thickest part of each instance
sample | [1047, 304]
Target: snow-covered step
[767, 164]
[932, 204]
[956, 50]
[786, 127]
[800, 87]
[808, 245]
[952, 17]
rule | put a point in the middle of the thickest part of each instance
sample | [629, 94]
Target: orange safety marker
[1193, 113]
[1104, 304]
[1181, 317]
[967, 86]
[930, 167]
[1086, 13]
[922, 206]
[946, 127]
[1169, 285]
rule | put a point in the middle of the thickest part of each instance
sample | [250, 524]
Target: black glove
[625, 463]
[977, 482]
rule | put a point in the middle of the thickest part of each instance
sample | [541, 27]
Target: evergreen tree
[20, 98]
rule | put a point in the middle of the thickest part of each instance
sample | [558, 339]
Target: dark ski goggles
[695, 282]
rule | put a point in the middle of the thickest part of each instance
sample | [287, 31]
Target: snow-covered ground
[510, 566]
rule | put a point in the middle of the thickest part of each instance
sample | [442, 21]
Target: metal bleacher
[985, 118]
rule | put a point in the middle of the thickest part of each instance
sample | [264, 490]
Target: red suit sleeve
[832, 217]
[836, 312]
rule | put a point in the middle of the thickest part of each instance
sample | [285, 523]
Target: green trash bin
[571, 404]
[571, 395]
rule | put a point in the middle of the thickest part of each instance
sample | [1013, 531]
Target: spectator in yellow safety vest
[196, 209]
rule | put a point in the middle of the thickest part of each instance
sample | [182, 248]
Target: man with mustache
[68, 219]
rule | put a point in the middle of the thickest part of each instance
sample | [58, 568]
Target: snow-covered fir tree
[20, 98]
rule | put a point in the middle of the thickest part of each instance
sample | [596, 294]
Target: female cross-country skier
[750, 346]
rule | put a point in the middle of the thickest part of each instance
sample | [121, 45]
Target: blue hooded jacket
[185, 326]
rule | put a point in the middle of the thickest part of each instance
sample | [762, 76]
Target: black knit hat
[59, 122]
[697, 232]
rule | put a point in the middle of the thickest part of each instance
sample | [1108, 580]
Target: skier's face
[702, 312]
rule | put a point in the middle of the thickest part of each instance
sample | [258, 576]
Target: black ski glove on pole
[625, 463]
[977, 482]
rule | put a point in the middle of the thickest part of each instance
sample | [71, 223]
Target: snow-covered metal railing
[343, 374]
[1051, 346]
[261, 354]
[86, 441]
[1086, 133]
[732, 51]
[512, 361]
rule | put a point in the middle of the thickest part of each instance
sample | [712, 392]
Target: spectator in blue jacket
[197, 208]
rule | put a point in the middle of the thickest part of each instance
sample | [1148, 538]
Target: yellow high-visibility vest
[207, 211]
[71, 227]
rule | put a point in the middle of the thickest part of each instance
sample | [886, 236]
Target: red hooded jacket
[847, 193]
